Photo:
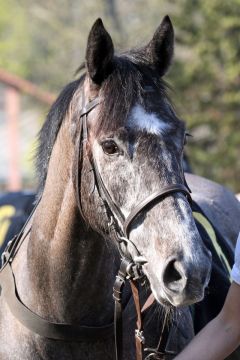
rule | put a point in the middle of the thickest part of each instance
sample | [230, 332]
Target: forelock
[125, 87]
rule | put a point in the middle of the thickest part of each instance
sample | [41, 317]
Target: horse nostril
[174, 277]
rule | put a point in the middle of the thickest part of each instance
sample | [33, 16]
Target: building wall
[19, 141]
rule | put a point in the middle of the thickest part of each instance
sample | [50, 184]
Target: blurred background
[42, 43]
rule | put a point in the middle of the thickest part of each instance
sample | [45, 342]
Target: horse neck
[69, 270]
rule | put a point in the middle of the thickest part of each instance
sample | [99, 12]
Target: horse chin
[177, 301]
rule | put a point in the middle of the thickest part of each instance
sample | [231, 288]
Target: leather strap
[117, 295]
[81, 144]
[14, 245]
[86, 108]
[117, 213]
[148, 303]
[139, 339]
[43, 327]
[79, 167]
[158, 195]
[118, 330]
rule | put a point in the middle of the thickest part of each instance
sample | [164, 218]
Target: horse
[110, 180]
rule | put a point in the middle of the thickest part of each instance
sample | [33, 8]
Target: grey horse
[67, 263]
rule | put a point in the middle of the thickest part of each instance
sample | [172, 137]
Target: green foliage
[45, 42]
[208, 79]
[14, 38]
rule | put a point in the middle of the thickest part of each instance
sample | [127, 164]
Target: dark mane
[129, 82]
[126, 84]
[49, 131]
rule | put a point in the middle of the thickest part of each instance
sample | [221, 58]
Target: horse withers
[111, 140]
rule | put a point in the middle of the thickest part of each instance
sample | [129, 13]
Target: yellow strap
[6, 212]
[211, 233]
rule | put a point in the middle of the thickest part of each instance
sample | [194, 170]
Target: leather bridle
[119, 229]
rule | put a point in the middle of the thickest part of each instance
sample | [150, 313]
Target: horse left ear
[161, 47]
[99, 54]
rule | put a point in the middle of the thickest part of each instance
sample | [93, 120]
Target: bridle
[119, 228]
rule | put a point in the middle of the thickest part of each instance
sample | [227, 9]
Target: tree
[207, 75]
[46, 43]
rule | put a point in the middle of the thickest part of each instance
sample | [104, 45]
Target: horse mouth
[179, 300]
[178, 288]
[188, 296]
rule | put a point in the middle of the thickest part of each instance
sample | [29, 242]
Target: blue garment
[235, 274]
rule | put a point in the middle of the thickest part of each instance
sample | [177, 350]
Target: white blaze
[151, 123]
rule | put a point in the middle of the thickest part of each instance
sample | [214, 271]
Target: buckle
[117, 288]
[3, 258]
[158, 355]
[151, 356]
[139, 335]
[6, 254]
[135, 271]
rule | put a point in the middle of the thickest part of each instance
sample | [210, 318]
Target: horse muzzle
[181, 283]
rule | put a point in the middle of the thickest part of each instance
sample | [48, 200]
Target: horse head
[136, 142]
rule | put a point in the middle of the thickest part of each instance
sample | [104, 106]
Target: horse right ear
[160, 49]
[99, 54]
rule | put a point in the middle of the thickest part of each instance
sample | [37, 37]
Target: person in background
[220, 337]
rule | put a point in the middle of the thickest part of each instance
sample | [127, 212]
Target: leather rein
[130, 268]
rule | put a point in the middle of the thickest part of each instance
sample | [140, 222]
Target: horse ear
[161, 47]
[99, 54]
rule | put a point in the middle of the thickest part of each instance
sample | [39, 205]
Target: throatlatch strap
[45, 328]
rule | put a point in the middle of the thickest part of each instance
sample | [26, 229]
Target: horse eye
[109, 147]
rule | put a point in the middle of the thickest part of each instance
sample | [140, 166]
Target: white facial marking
[150, 122]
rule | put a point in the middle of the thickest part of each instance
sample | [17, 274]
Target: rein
[119, 229]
